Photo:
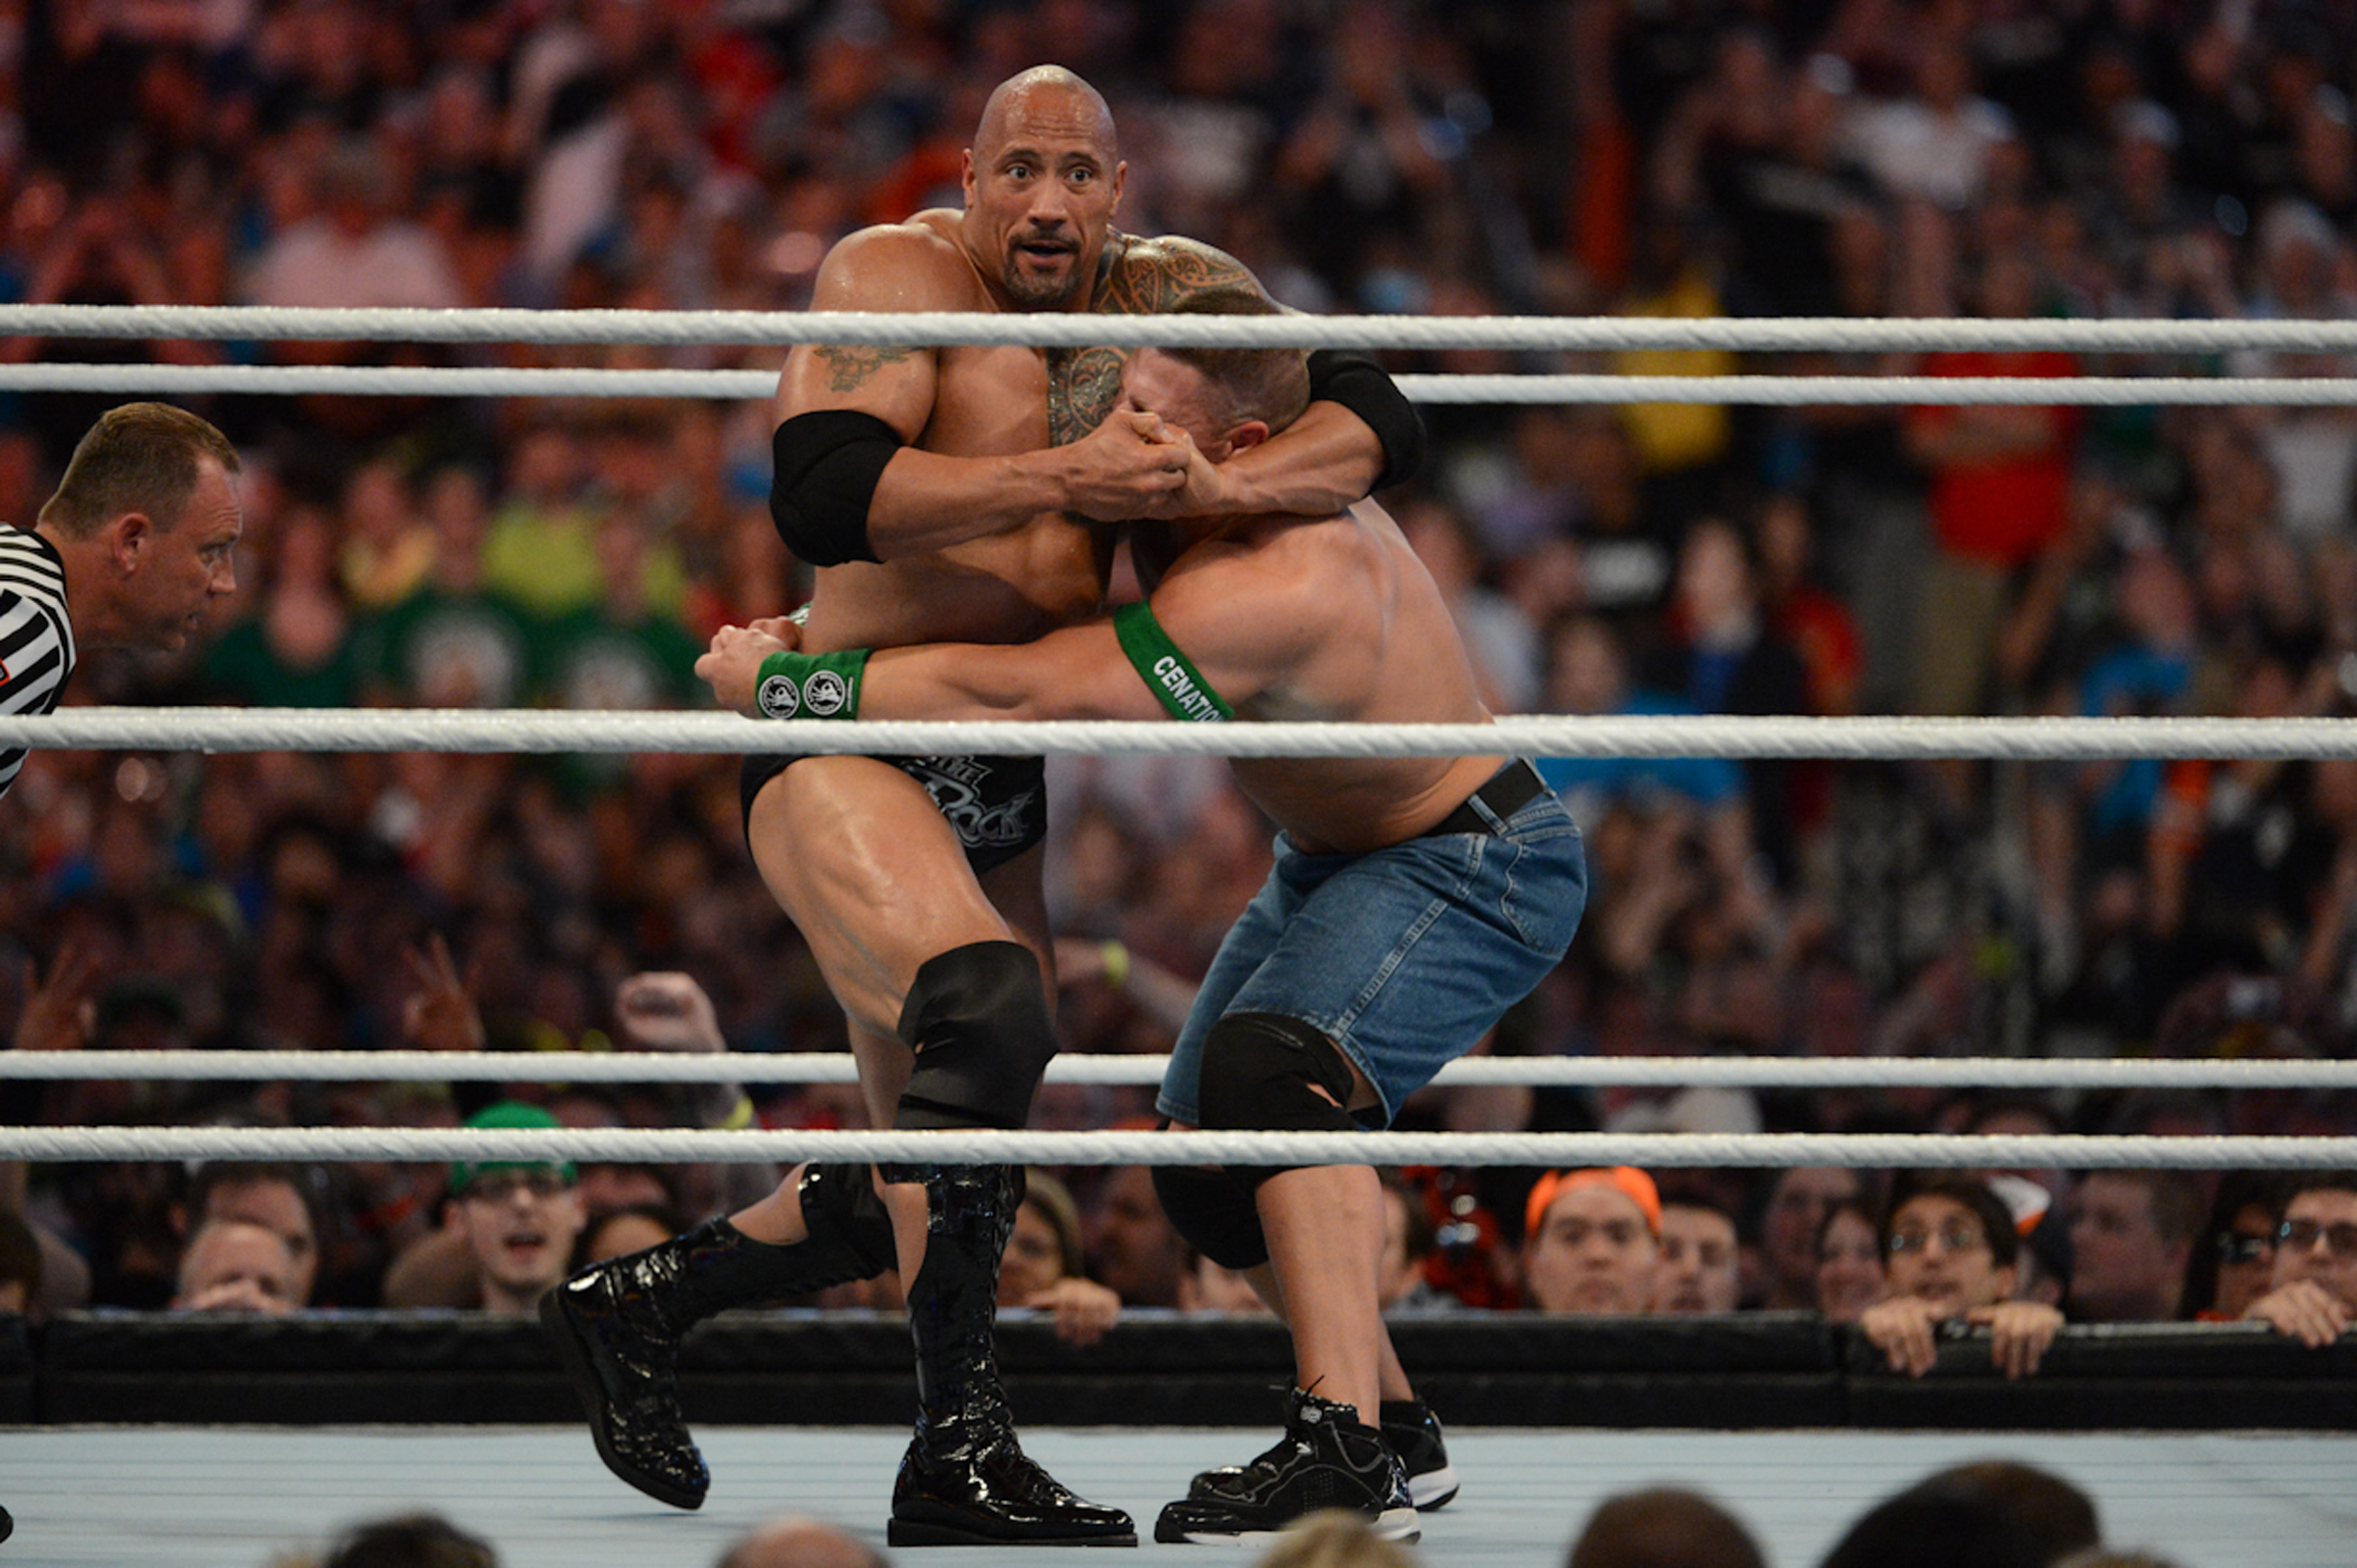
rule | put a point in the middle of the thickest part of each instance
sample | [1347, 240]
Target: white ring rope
[1055, 329]
[673, 1146]
[836, 1067]
[404, 730]
[418, 381]
[538, 730]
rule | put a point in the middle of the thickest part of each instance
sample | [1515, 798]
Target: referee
[128, 554]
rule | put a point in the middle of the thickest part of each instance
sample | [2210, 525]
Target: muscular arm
[1358, 435]
[1247, 625]
[927, 501]
[1327, 459]
[1078, 672]
[1320, 464]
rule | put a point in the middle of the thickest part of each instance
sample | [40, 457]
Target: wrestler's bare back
[1382, 648]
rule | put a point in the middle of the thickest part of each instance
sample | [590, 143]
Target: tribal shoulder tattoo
[849, 365]
[1143, 277]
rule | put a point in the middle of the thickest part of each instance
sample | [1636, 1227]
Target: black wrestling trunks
[998, 805]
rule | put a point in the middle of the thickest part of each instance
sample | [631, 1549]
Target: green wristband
[810, 685]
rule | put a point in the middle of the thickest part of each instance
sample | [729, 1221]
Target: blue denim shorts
[1404, 957]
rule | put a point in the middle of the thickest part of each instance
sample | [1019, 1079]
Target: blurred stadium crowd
[1686, 157]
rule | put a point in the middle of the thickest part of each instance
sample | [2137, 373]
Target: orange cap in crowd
[1627, 1179]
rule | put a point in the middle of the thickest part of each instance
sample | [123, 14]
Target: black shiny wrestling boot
[618, 1324]
[966, 1480]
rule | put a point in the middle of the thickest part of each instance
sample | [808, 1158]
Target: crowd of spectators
[1991, 1513]
[1693, 157]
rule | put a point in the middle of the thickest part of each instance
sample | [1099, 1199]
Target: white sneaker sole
[1391, 1524]
[1434, 1489]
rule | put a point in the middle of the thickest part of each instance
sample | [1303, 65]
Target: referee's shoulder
[29, 565]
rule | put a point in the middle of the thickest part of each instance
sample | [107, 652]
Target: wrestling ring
[240, 1496]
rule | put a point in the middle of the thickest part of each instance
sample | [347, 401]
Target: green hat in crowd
[509, 1114]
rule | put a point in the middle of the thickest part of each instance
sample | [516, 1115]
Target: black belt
[1510, 788]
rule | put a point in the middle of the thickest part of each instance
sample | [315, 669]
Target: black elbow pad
[1367, 390]
[828, 463]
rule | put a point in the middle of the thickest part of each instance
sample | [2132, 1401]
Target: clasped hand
[1136, 465]
[732, 665]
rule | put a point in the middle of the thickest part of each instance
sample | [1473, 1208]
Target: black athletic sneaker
[1413, 1433]
[1328, 1459]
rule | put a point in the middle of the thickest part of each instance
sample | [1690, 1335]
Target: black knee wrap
[977, 1019]
[1214, 1212]
[1262, 1072]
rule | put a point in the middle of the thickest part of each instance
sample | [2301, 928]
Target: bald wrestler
[1414, 899]
[948, 495]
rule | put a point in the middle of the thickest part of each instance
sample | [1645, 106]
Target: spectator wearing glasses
[1952, 1256]
[520, 1220]
[2312, 1293]
[2236, 1261]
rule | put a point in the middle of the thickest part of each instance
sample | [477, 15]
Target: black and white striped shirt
[37, 647]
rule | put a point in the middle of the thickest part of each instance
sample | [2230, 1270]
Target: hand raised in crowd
[61, 1014]
[440, 1014]
[1084, 1310]
[1905, 1328]
[2304, 1310]
[237, 1295]
[664, 1010]
[2019, 1332]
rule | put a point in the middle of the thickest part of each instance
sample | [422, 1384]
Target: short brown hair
[1665, 1527]
[2175, 1199]
[142, 457]
[1271, 385]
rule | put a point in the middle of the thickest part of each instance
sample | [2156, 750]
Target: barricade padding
[17, 1398]
[1743, 1371]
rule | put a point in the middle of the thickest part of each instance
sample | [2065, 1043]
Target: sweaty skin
[983, 522]
[1040, 564]
[986, 526]
[1328, 617]
[1331, 619]
[1287, 618]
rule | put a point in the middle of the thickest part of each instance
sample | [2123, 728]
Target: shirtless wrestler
[1414, 899]
[947, 495]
